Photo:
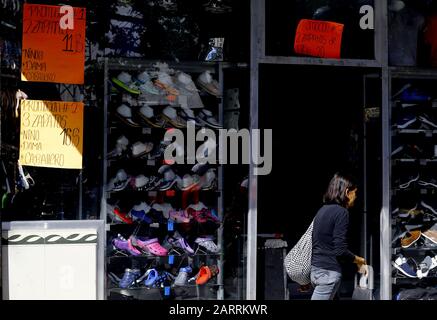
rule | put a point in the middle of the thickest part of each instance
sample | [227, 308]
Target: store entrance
[324, 120]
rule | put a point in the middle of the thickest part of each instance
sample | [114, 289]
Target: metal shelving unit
[217, 68]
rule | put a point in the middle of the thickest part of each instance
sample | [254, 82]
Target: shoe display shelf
[128, 166]
[413, 113]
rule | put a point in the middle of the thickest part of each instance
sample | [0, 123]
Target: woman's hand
[361, 264]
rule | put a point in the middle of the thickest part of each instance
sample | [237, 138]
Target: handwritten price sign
[319, 38]
[53, 44]
[51, 134]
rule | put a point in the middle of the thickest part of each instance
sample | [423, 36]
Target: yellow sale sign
[51, 134]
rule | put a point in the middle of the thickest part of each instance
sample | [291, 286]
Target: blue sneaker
[129, 279]
[402, 265]
[414, 95]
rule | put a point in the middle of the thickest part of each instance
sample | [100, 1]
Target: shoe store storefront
[97, 96]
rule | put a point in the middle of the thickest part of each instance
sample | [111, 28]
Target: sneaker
[182, 277]
[179, 216]
[124, 81]
[120, 147]
[183, 80]
[431, 234]
[116, 214]
[148, 115]
[188, 115]
[145, 84]
[411, 95]
[164, 208]
[158, 151]
[207, 83]
[406, 213]
[140, 212]
[140, 149]
[169, 178]
[165, 82]
[170, 115]
[140, 182]
[124, 112]
[217, 7]
[208, 244]
[402, 265]
[189, 182]
[130, 278]
[410, 238]
[178, 241]
[426, 266]
[205, 117]
[119, 182]
[209, 180]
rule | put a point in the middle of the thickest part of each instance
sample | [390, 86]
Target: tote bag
[297, 263]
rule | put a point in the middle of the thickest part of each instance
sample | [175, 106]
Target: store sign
[319, 38]
[51, 134]
[53, 44]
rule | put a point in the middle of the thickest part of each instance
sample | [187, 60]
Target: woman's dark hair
[336, 192]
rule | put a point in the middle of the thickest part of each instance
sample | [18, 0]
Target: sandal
[206, 273]
[151, 246]
[208, 244]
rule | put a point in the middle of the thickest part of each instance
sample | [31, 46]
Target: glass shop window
[412, 33]
[336, 28]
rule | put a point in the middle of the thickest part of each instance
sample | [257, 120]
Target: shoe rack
[135, 168]
[413, 177]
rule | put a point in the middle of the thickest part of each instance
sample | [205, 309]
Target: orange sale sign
[319, 38]
[53, 44]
